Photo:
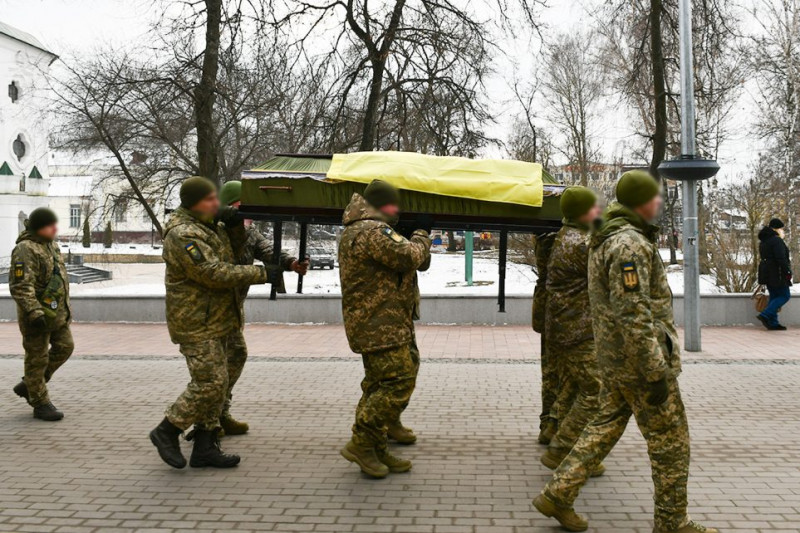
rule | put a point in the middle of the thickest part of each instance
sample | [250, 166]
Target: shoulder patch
[392, 234]
[19, 270]
[630, 276]
[194, 252]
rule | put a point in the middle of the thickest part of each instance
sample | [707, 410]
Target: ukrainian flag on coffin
[492, 180]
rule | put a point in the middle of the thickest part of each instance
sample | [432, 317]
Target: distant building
[24, 173]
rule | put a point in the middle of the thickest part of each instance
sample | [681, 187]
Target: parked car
[321, 258]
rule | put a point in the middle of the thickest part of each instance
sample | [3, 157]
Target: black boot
[21, 390]
[165, 439]
[47, 411]
[206, 451]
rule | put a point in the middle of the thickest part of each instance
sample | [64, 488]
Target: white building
[24, 62]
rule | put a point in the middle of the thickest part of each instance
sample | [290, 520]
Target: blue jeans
[778, 296]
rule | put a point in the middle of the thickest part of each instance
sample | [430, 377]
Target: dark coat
[775, 269]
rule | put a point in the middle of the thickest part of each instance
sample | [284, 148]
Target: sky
[71, 27]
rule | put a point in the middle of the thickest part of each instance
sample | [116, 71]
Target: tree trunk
[659, 87]
[371, 111]
[205, 94]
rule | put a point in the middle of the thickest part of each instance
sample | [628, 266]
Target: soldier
[249, 244]
[204, 318]
[379, 299]
[637, 349]
[569, 323]
[548, 421]
[40, 286]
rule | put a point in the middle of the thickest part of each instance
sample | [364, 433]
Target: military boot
[397, 465]
[366, 458]
[691, 527]
[568, 518]
[47, 411]
[207, 452]
[547, 430]
[21, 390]
[551, 459]
[401, 434]
[231, 426]
[165, 438]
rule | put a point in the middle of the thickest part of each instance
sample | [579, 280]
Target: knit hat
[195, 189]
[776, 223]
[230, 192]
[379, 193]
[41, 217]
[577, 201]
[637, 187]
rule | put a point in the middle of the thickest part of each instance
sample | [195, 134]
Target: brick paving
[517, 343]
[475, 468]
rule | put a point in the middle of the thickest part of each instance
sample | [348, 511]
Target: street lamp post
[689, 169]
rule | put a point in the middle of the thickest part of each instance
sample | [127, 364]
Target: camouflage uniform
[36, 265]
[249, 244]
[569, 333]
[379, 299]
[544, 245]
[204, 312]
[636, 344]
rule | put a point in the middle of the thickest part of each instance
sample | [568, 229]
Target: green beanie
[379, 193]
[41, 217]
[577, 201]
[230, 192]
[637, 187]
[195, 189]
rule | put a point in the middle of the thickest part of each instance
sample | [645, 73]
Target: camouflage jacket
[569, 318]
[631, 301]
[544, 245]
[377, 268]
[32, 266]
[203, 282]
[250, 244]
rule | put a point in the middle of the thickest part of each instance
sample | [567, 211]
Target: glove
[39, 323]
[425, 223]
[659, 392]
[230, 216]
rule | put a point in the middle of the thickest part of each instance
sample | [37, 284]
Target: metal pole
[302, 255]
[277, 244]
[691, 256]
[468, 246]
[501, 288]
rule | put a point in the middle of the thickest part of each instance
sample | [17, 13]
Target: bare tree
[574, 86]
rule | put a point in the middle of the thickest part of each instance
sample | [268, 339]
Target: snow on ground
[77, 248]
[445, 277]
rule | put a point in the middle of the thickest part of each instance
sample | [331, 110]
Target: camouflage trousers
[390, 377]
[45, 352]
[579, 394]
[666, 432]
[202, 401]
[237, 355]
[550, 382]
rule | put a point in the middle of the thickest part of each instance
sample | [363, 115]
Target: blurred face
[651, 209]
[591, 216]
[48, 232]
[208, 206]
[391, 210]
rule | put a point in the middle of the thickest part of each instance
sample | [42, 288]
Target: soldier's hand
[38, 323]
[301, 267]
[659, 392]
[230, 216]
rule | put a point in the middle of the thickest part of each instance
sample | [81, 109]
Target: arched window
[19, 147]
[13, 91]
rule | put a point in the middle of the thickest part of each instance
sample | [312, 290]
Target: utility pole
[689, 169]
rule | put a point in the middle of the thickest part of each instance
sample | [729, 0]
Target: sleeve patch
[19, 270]
[194, 252]
[392, 234]
[630, 277]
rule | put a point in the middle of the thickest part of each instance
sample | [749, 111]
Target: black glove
[39, 323]
[405, 229]
[425, 222]
[659, 392]
[230, 216]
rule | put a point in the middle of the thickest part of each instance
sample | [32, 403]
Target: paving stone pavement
[475, 469]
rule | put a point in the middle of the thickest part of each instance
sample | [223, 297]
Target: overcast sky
[79, 26]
